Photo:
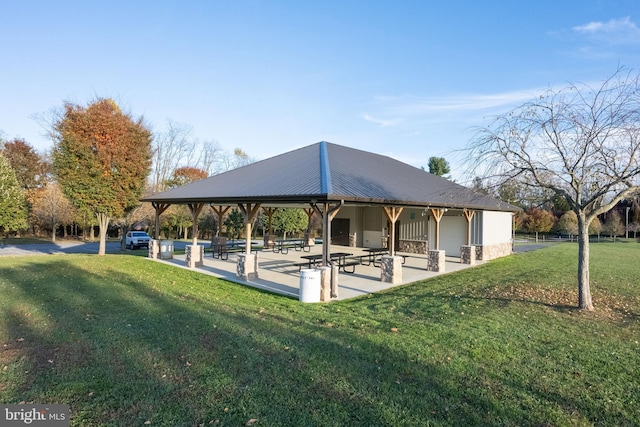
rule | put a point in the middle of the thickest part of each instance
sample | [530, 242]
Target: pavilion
[364, 200]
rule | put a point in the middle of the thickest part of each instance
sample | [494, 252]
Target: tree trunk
[103, 222]
[584, 290]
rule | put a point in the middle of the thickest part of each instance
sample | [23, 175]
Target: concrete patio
[277, 273]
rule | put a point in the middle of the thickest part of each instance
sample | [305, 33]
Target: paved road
[67, 247]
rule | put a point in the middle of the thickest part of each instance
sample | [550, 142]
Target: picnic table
[339, 257]
[222, 250]
[283, 245]
[373, 254]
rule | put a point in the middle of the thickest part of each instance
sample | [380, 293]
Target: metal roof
[327, 172]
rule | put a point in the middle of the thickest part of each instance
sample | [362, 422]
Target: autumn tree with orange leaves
[101, 158]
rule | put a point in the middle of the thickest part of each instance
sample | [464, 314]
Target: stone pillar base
[154, 249]
[391, 269]
[325, 283]
[269, 241]
[247, 269]
[435, 261]
[468, 254]
[194, 255]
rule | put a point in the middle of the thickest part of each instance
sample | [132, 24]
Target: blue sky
[408, 79]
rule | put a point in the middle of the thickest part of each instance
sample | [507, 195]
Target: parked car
[137, 239]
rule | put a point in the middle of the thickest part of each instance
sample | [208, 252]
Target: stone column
[247, 268]
[353, 239]
[468, 254]
[309, 240]
[154, 249]
[194, 255]
[436, 261]
[325, 283]
[391, 269]
[269, 241]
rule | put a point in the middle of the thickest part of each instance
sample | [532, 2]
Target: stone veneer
[194, 256]
[489, 252]
[436, 261]
[328, 279]
[247, 268]
[413, 246]
[391, 269]
[154, 249]
[468, 254]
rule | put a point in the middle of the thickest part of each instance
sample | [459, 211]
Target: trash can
[309, 285]
[166, 249]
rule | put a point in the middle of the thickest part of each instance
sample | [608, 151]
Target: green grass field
[127, 341]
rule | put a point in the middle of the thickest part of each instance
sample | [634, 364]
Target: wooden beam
[195, 209]
[270, 212]
[392, 213]
[468, 215]
[437, 215]
[220, 211]
[159, 208]
[249, 213]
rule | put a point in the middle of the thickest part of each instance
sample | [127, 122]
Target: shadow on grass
[175, 348]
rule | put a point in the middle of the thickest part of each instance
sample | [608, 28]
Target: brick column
[391, 269]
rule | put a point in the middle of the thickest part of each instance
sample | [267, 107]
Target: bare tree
[581, 143]
[171, 149]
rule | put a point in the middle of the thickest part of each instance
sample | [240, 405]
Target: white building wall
[496, 227]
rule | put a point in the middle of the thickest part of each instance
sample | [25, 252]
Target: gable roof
[327, 172]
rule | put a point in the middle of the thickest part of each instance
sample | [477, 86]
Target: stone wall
[414, 246]
[489, 252]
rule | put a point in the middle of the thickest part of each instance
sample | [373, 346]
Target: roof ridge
[326, 186]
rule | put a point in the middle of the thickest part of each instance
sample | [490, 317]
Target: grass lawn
[127, 341]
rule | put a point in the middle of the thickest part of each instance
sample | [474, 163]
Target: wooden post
[249, 215]
[437, 215]
[327, 215]
[220, 211]
[392, 213]
[468, 215]
[195, 209]
[159, 208]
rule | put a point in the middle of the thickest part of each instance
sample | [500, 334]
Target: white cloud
[622, 30]
[381, 122]
[414, 105]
